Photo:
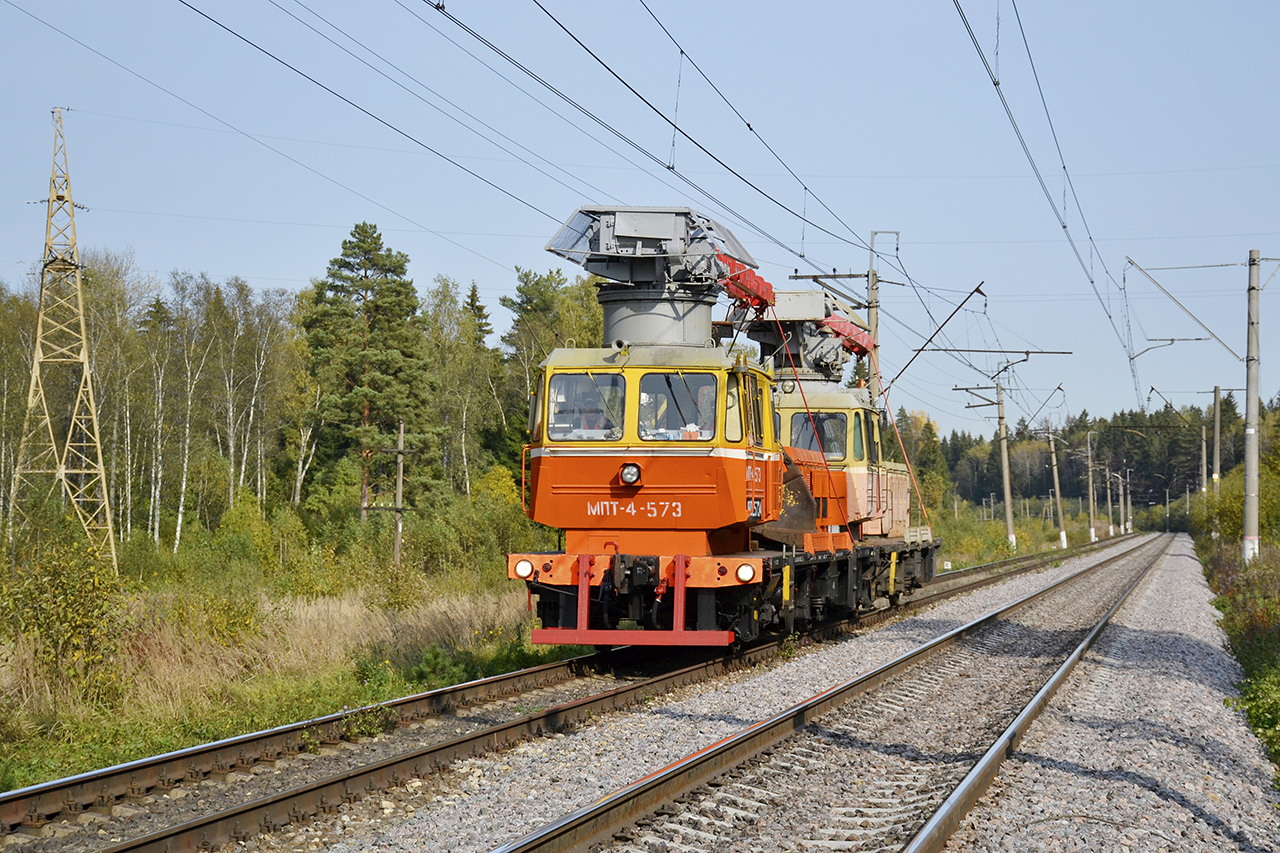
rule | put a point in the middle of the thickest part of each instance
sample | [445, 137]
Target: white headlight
[630, 474]
[746, 572]
[524, 569]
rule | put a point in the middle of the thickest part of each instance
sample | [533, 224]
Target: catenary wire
[658, 111]
[749, 126]
[707, 194]
[1026, 150]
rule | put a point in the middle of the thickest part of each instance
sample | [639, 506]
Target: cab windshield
[678, 406]
[586, 407]
[831, 436]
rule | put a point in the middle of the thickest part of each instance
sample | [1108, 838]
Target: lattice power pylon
[60, 450]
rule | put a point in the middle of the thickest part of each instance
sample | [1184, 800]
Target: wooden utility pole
[60, 451]
[1252, 363]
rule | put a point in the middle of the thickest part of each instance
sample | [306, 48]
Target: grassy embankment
[251, 626]
[1249, 598]
[968, 540]
[185, 673]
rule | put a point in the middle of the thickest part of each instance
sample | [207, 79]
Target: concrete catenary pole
[1093, 533]
[1128, 489]
[1111, 525]
[1204, 461]
[1120, 499]
[873, 313]
[1217, 437]
[1251, 361]
[1057, 490]
[395, 554]
[1004, 463]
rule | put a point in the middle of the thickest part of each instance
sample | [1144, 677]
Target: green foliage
[64, 598]
[1260, 700]
[366, 350]
[442, 666]
[1249, 598]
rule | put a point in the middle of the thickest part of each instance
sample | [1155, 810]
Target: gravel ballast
[1140, 750]
[489, 800]
[492, 799]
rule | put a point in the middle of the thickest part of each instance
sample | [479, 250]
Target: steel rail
[291, 806]
[35, 804]
[941, 587]
[598, 822]
[38, 804]
[933, 836]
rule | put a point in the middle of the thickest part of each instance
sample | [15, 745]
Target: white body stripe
[721, 452]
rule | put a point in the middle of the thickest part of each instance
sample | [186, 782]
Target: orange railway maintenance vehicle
[707, 496]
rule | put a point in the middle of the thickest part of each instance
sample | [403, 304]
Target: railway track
[467, 719]
[854, 767]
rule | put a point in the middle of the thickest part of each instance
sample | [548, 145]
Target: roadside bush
[1249, 598]
[64, 601]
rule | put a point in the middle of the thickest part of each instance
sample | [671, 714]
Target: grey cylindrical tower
[669, 314]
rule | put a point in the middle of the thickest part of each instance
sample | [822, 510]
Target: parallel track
[37, 805]
[601, 822]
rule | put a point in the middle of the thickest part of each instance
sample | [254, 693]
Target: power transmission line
[433, 106]
[253, 138]
[379, 119]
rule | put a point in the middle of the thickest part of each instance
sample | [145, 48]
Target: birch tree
[191, 296]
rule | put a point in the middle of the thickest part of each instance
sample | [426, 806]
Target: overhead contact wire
[613, 130]
[1026, 150]
[433, 106]
[658, 111]
[749, 126]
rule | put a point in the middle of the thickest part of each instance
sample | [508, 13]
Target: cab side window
[754, 407]
[830, 439]
[732, 412]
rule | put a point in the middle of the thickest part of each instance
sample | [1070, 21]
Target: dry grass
[175, 682]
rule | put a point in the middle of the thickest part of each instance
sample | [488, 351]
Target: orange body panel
[677, 507]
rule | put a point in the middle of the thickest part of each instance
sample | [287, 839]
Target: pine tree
[367, 348]
[479, 316]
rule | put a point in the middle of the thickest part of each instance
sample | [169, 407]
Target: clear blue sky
[1164, 113]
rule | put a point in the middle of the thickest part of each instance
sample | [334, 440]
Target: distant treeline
[213, 393]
